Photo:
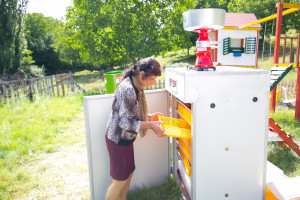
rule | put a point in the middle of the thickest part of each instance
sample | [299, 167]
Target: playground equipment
[278, 71]
[287, 138]
[277, 74]
[291, 103]
[293, 7]
[237, 48]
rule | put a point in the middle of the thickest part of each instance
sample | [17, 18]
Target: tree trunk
[188, 51]
[111, 66]
[17, 58]
[125, 64]
[4, 76]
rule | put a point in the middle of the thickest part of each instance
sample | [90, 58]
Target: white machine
[229, 112]
[229, 123]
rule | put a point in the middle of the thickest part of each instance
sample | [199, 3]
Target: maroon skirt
[121, 160]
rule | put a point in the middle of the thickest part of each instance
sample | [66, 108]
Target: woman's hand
[155, 126]
[154, 116]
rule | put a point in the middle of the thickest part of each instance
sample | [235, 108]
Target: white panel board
[151, 152]
[229, 140]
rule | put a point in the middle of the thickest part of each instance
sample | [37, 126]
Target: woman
[129, 118]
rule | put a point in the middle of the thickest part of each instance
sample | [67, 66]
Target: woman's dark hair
[148, 65]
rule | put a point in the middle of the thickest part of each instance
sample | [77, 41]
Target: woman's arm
[155, 126]
[154, 116]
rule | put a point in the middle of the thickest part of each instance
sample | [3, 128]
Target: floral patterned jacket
[123, 124]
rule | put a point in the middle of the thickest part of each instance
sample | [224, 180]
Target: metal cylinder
[210, 18]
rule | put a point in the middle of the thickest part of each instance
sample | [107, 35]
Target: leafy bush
[32, 71]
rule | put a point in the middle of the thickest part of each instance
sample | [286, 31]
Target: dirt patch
[61, 175]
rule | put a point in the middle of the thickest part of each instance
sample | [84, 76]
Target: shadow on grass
[168, 191]
[286, 160]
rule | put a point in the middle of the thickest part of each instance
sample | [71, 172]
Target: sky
[49, 8]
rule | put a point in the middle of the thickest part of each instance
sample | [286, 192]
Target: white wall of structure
[229, 59]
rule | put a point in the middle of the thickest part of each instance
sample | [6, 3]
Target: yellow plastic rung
[186, 163]
[185, 148]
[186, 114]
[178, 128]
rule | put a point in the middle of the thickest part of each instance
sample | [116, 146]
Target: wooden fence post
[49, 86]
[57, 86]
[62, 86]
[38, 86]
[71, 81]
[30, 90]
[4, 92]
[52, 88]
[11, 93]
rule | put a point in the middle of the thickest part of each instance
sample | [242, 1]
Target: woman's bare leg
[118, 189]
[126, 188]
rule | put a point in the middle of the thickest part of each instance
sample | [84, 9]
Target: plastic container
[112, 80]
[177, 128]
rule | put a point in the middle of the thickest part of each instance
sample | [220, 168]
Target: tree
[212, 4]
[11, 29]
[118, 31]
[42, 35]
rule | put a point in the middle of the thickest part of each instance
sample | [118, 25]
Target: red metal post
[297, 108]
[276, 50]
[291, 50]
[216, 50]
[284, 47]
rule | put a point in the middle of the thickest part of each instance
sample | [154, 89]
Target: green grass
[168, 191]
[178, 58]
[285, 118]
[90, 81]
[28, 128]
[286, 160]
